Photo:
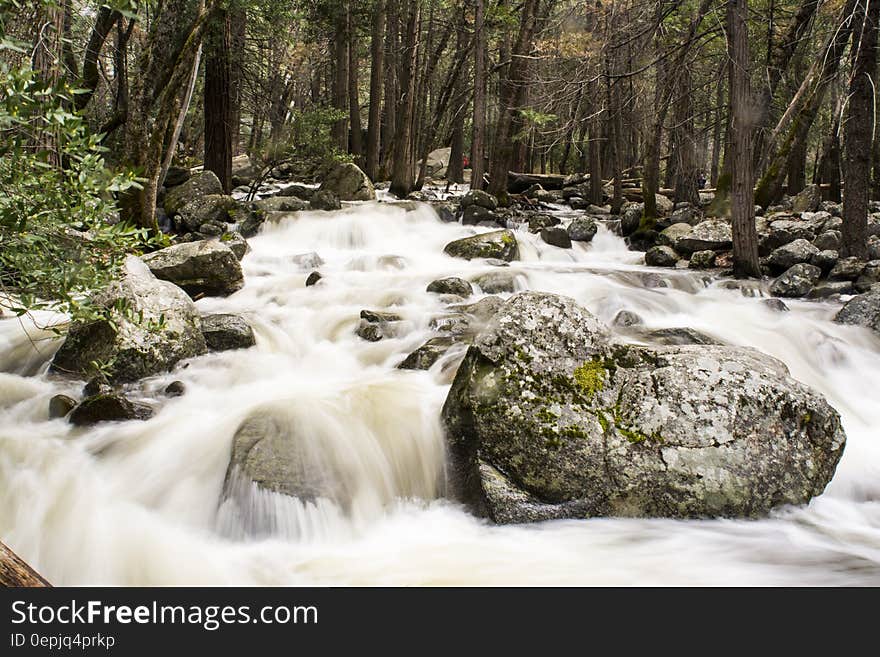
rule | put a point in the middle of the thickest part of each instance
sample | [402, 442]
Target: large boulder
[203, 184]
[669, 236]
[863, 310]
[349, 183]
[499, 244]
[243, 170]
[797, 281]
[210, 208]
[808, 200]
[547, 418]
[791, 254]
[452, 285]
[479, 198]
[661, 256]
[153, 325]
[710, 235]
[556, 236]
[204, 267]
[325, 199]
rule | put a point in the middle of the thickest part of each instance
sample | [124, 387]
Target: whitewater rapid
[140, 503]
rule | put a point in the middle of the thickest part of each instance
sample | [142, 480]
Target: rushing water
[140, 502]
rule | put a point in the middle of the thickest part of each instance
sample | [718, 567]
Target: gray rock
[325, 200]
[204, 267]
[243, 170]
[270, 451]
[775, 304]
[452, 285]
[874, 247]
[198, 186]
[60, 406]
[686, 215]
[310, 260]
[702, 260]
[216, 209]
[661, 256]
[827, 289]
[298, 191]
[627, 318]
[282, 204]
[548, 419]
[130, 345]
[236, 243]
[847, 269]
[108, 408]
[499, 244]
[678, 336]
[476, 214]
[795, 253]
[375, 325]
[175, 389]
[630, 220]
[796, 282]
[582, 229]
[537, 222]
[479, 198]
[177, 176]
[710, 235]
[824, 260]
[556, 237]
[808, 200]
[496, 282]
[224, 332]
[483, 310]
[379, 317]
[862, 310]
[349, 183]
[870, 275]
[784, 231]
[426, 355]
[671, 234]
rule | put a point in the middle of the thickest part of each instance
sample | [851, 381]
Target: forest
[314, 272]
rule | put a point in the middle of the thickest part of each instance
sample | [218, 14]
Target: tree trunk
[858, 131]
[742, 111]
[392, 82]
[354, 102]
[218, 105]
[402, 176]
[15, 573]
[686, 168]
[478, 139]
[340, 79]
[377, 52]
[513, 92]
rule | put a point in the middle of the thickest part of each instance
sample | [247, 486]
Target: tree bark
[340, 79]
[218, 105]
[402, 177]
[374, 129]
[478, 138]
[354, 101]
[858, 131]
[742, 111]
[15, 573]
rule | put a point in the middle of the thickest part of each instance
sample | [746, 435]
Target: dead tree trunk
[15, 573]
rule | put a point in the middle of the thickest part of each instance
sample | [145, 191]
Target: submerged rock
[205, 267]
[496, 282]
[499, 244]
[428, 354]
[130, 345]
[547, 418]
[324, 199]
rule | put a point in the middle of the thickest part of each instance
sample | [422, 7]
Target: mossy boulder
[152, 325]
[111, 407]
[548, 418]
[500, 244]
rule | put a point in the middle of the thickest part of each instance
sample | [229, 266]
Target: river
[139, 503]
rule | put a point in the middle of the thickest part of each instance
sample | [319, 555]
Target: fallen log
[517, 183]
[15, 573]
